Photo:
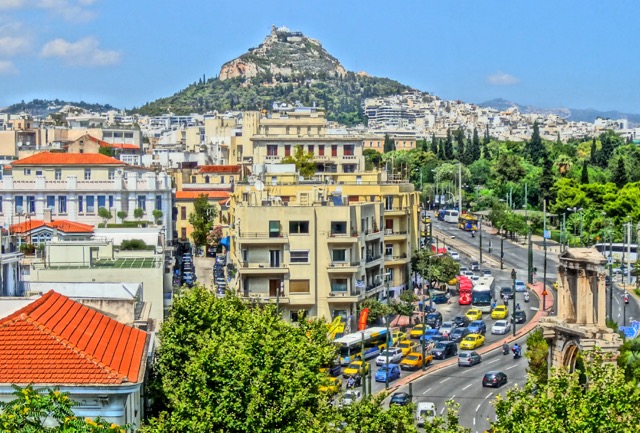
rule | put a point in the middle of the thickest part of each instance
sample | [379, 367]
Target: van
[425, 412]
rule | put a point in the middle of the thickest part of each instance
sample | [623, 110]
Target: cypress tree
[434, 144]
[460, 146]
[535, 148]
[594, 152]
[448, 146]
[619, 176]
[389, 144]
[584, 177]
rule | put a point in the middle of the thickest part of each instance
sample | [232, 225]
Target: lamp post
[544, 241]
[513, 278]
[563, 232]
[574, 210]
[386, 382]
[501, 247]
[480, 233]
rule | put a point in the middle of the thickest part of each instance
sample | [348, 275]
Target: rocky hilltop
[283, 53]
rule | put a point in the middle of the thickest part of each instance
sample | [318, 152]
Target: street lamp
[386, 382]
[513, 278]
[574, 210]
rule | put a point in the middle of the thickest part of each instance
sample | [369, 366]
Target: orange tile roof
[219, 169]
[55, 340]
[186, 195]
[62, 225]
[48, 158]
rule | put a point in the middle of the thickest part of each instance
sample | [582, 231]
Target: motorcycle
[473, 234]
[517, 353]
[526, 297]
[505, 349]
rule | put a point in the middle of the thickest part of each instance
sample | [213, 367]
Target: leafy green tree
[448, 146]
[486, 153]
[303, 162]
[366, 416]
[107, 151]
[619, 175]
[594, 152]
[508, 168]
[403, 305]
[609, 142]
[122, 215]
[31, 408]
[201, 219]
[584, 176]
[372, 158]
[157, 215]
[389, 144]
[474, 147]
[537, 353]
[447, 424]
[377, 309]
[629, 359]
[607, 402]
[535, 147]
[105, 215]
[547, 178]
[460, 147]
[435, 269]
[227, 365]
[138, 213]
[434, 144]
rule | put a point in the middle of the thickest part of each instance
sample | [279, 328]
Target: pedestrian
[505, 299]
[494, 304]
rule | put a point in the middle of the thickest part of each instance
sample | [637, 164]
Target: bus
[468, 223]
[375, 340]
[451, 216]
[482, 294]
[618, 251]
[465, 289]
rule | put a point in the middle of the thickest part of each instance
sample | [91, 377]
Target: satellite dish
[259, 186]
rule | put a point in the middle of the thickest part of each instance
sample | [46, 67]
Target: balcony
[341, 296]
[263, 238]
[373, 260]
[264, 298]
[343, 267]
[273, 158]
[246, 268]
[402, 259]
[397, 235]
[372, 289]
[372, 234]
[396, 211]
[342, 238]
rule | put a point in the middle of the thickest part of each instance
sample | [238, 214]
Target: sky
[547, 53]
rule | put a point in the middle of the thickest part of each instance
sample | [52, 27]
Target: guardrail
[262, 235]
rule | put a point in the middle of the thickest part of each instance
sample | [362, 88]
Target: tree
[607, 402]
[303, 162]
[377, 309]
[122, 215]
[584, 176]
[201, 219]
[138, 213]
[537, 353]
[448, 424]
[389, 144]
[104, 213]
[448, 146]
[619, 175]
[546, 180]
[403, 306]
[157, 215]
[609, 141]
[474, 147]
[435, 269]
[372, 158]
[32, 407]
[535, 147]
[629, 359]
[594, 152]
[104, 150]
[366, 416]
[227, 365]
[461, 150]
[434, 144]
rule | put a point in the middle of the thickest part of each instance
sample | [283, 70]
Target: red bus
[441, 250]
[465, 287]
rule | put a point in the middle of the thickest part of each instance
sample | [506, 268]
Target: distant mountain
[574, 114]
[44, 107]
[286, 67]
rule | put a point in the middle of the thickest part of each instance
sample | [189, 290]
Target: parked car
[475, 266]
[434, 320]
[439, 298]
[468, 358]
[477, 327]
[506, 291]
[395, 355]
[501, 327]
[446, 328]
[444, 349]
[521, 286]
[392, 371]
[461, 320]
[425, 412]
[494, 379]
[520, 317]
[458, 334]
[400, 399]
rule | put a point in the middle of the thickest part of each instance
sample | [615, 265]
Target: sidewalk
[536, 241]
[524, 330]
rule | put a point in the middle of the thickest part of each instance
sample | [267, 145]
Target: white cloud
[13, 45]
[7, 68]
[502, 79]
[11, 4]
[70, 10]
[85, 52]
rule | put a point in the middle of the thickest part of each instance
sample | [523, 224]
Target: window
[348, 149]
[31, 204]
[183, 213]
[62, 204]
[87, 174]
[222, 179]
[334, 150]
[206, 179]
[339, 255]
[274, 229]
[110, 202]
[388, 202]
[0, 204]
[91, 204]
[158, 202]
[38, 172]
[27, 172]
[102, 201]
[338, 227]
[321, 149]
[142, 202]
[298, 315]
[194, 179]
[311, 148]
[272, 150]
[80, 204]
[339, 285]
[183, 233]
[299, 256]
[58, 174]
[388, 250]
[287, 150]
[19, 203]
[299, 227]
[112, 173]
[299, 286]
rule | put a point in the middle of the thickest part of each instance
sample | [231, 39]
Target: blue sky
[570, 53]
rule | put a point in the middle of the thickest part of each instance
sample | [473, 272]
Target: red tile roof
[233, 169]
[48, 158]
[55, 340]
[186, 195]
[62, 225]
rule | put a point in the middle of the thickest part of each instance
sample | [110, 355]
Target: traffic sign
[547, 234]
[544, 292]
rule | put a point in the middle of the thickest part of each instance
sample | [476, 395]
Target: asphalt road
[623, 313]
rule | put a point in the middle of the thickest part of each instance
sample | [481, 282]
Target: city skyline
[129, 54]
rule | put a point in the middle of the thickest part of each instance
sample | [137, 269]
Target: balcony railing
[343, 264]
[371, 231]
[392, 257]
[391, 232]
[263, 235]
[343, 235]
[345, 292]
[371, 258]
[250, 265]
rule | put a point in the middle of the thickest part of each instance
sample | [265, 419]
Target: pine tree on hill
[460, 147]
[389, 144]
[594, 152]
[534, 148]
[474, 147]
[619, 175]
[434, 144]
[584, 177]
[448, 146]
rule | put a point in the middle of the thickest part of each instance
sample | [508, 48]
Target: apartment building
[185, 206]
[128, 153]
[74, 186]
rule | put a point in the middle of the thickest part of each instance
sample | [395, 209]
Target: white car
[468, 274]
[395, 356]
[447, 328]
[350, 397]
[454, 255]
[474, 279]
[521, 286]
[501, 327]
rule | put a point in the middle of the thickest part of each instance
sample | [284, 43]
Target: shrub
[133, 244]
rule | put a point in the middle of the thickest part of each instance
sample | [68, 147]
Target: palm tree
[564, 164]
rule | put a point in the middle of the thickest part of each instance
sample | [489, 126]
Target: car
[453, 281]
[434, 320]
[506, 291]
[463, 269]
[520, 317]
[500, 312]
[486, 272]
[474, 314]
[430, 334]
[472, 341]
[458, 334]
[455, 256]
[222, 260]
[356, 367]
[407, 346]
[400, 399]
[468, 359]
[439, 298]
[392, 371]
[418, 330]
[395, 355]
[467, 274]
[446, 328]
[333, 370]
[444, 349]
[425, 412]
[477, 327]
[350, 397]
[520, 286]
[330, 385]
[414, 361]
[461, 320]
[494, 379]
[475, 266]
[501, 327]
[475, 279]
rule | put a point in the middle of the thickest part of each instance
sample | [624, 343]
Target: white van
[425, 412]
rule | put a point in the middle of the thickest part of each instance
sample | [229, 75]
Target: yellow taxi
[555, 285]
[331, 385]
[474, 314]
[453, 281]
[426, 220]
[500, 312]
[398, 336]
[414, 361]
[408, 346]
[418, 330]
[356, 367]
[472, 341]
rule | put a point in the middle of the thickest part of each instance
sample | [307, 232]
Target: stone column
[602, 301]
[582, 293]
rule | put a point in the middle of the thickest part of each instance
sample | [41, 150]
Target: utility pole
[513, 278]
[610, 260]
[502, 247]
[480, 231]
[460, 188]
[628, 268]
[529, 246]
[544, 242]
[386, 382]
[362, 375]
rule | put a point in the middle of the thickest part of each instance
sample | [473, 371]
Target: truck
[465, 288]
[414, 361]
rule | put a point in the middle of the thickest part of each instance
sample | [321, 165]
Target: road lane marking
[478, 408]
[441, 411]
[426, 391]
[513, 366]
[467, 386]
[495, 360]
[617, 301]
[444, 380]
[474, 421]
[490, 394]
[452, 397]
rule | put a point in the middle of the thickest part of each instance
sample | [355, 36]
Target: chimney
[47, 216]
